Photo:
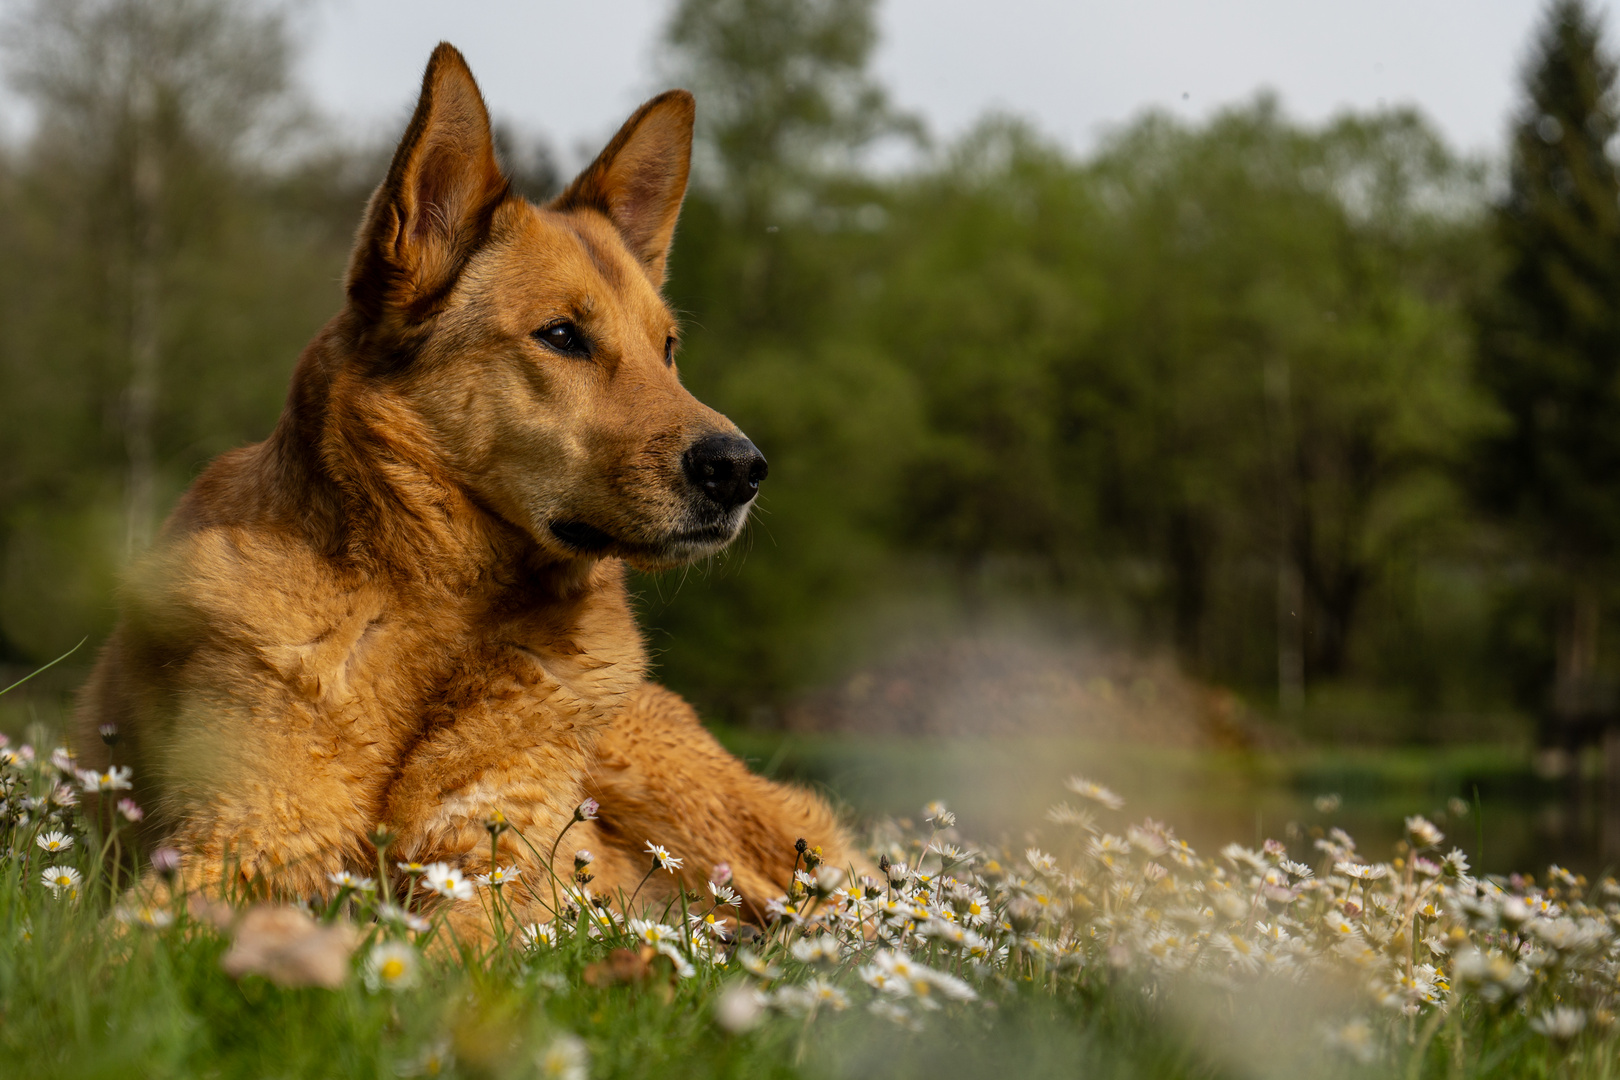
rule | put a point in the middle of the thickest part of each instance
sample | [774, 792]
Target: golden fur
[368, 619]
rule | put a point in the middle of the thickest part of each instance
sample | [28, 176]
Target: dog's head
[532, 341]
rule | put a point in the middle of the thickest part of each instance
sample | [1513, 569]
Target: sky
[1077, 68]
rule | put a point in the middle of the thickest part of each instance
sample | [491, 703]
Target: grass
[1125, 954]
[1086, 986]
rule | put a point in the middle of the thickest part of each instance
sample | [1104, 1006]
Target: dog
[404, 614]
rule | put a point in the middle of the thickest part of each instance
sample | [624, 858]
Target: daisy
[817, 950]
[653, 933]
[709, 924]
[565, 1059]
[60, 879]
[1041, 861]
[662, 859]
[153, 918]
[1088, 789]
[54, 841]
[723, 894]
[434, 1060]
[1423, 832]
[499, 876]
[757, 967]
[408, 919]
[345, 880]
[114, 779]
[1064, 814]
[1560, 1023]
[819, 992]
[976, 909]
[392, 965]
[540, 934]
[447, 881]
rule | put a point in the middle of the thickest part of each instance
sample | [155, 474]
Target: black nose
[727, 468]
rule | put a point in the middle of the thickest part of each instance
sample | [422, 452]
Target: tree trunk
[1189, 567]
[1575, 691]
[1290, 637]
[1290, 582]
[140, 406]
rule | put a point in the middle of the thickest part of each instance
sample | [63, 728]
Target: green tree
[785, 96]
[778, 233]
[1550, 338]
[164, 276]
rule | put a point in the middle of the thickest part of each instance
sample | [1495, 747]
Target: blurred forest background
[1315, 426]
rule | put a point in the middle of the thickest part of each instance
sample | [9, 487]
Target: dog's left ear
[434, 208]
[638, 182]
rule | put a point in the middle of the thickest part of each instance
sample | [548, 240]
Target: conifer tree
[1550, 338]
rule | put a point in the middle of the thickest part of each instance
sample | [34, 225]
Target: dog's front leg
[495, 780]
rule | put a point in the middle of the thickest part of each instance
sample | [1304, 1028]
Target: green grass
[83, 994]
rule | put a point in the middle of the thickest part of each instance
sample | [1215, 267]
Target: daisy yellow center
[392, 970]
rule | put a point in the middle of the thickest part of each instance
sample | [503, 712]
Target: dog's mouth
[583, 538]
[679, 546]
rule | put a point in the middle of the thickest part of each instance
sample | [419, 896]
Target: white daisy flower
[54, 841]
[392, 965]
[60, 879]
[723, 894]
[816, 950]
[662, 859]
[500, 875]
[153, 918]
[1088, 789]
[393, 913]
[345, 880]
[114, 779]
[536, 934]
[567, 1058]
[653, 933]
[447, 881]
[1423, 832]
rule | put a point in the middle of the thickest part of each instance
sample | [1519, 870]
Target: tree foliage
[1206, 390]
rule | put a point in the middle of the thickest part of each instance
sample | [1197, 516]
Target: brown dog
[407, 606]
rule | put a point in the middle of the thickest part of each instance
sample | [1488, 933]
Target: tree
[1549, 338]
[784, 94]
[141, 105]
[165, 263]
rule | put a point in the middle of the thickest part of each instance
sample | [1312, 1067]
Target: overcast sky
[1077, 67]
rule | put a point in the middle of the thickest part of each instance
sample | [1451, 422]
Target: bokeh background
[1223, 400]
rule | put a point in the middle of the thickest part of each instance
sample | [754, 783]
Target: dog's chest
[390, 673]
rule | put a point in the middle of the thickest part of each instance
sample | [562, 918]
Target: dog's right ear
[434, 208]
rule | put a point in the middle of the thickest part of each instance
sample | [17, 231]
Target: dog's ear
[434, 208]
[639, 180]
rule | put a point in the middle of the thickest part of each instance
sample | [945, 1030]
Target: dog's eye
[562, 336]
[669, 351]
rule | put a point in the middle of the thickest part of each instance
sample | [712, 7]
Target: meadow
[1097, 942]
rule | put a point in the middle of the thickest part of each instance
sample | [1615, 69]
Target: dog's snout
[726, 468]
